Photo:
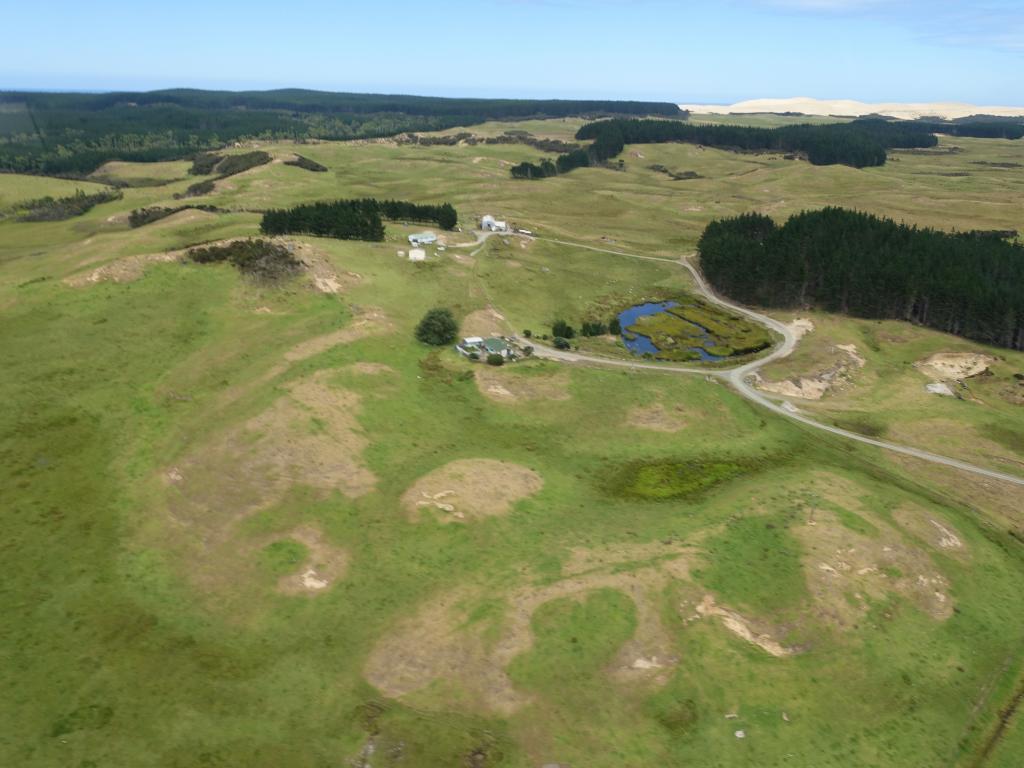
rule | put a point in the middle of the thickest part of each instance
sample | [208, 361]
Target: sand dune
[849, 108]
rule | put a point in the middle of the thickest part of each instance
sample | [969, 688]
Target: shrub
[437, 328]
[495, 359]
[198, 189]
[528, 333]
[562, 329]
[614, 326]
[61, 208]
[593, 328]
[260, 259]
[561, 343]
[306, 164]
[204, 163]
[233, 164]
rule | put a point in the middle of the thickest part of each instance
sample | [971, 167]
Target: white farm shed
[417, 254]
[422, 238]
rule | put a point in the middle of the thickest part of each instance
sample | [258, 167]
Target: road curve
[739, 377]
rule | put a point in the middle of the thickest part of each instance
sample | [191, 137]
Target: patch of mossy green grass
[680, 332]
[668, 479]
[574, 640]
[283, 557]
[756, 563]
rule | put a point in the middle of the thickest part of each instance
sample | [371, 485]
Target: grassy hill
[227, 539]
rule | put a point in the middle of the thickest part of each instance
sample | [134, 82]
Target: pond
[640, 344]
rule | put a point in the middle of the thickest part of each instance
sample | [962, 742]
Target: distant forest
[860, 143]
[353, 219]
[72, 134]
[968, 284]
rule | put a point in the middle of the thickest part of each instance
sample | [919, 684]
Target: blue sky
[873, 50]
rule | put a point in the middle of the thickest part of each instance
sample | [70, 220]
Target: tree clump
[857, 264]
[437, 328]
[360, 219]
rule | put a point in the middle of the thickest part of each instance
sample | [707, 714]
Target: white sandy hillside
[848, 108]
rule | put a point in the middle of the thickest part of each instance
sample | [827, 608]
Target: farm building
[417, 254]
[483, 347]
[489, 223]
[422, 238]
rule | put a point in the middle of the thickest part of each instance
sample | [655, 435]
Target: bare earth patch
[485, 322]
[470, 489]
[124, 270]
[814, 387]
[741, 627]
[954, 366]
[505, 385]
[326, 564]
[657, 417]
[323, 275]
[801, 326]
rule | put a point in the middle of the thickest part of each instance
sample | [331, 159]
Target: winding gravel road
[739, 377]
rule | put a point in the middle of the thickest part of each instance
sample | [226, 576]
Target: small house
[495, 346]
[417, 254]
[422, 238]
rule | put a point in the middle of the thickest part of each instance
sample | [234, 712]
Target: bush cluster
[60, 208]
[256, 258]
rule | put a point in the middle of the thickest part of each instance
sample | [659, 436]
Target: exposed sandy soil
[440, 643]
[931, 529]
[324, 276]
[741, 627]
[326, 564]
[801, 326]
[504, 385]
[954, 366]
[845, 570]
[847, 360]
[470, 489]
[485, 322]
[657, 417]
[124, 270]
[368, 322]
[849, 108]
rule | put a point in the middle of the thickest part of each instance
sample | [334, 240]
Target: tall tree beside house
[437, 328]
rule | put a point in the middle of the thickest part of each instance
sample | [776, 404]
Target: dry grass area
[953, 432]
[505, 385]
[485, 322]
[370, 321]
[658, 418]
[309, 436]
[442, 642]
[846, 571]
[471, 489]
[326, 564]
[930, 528]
